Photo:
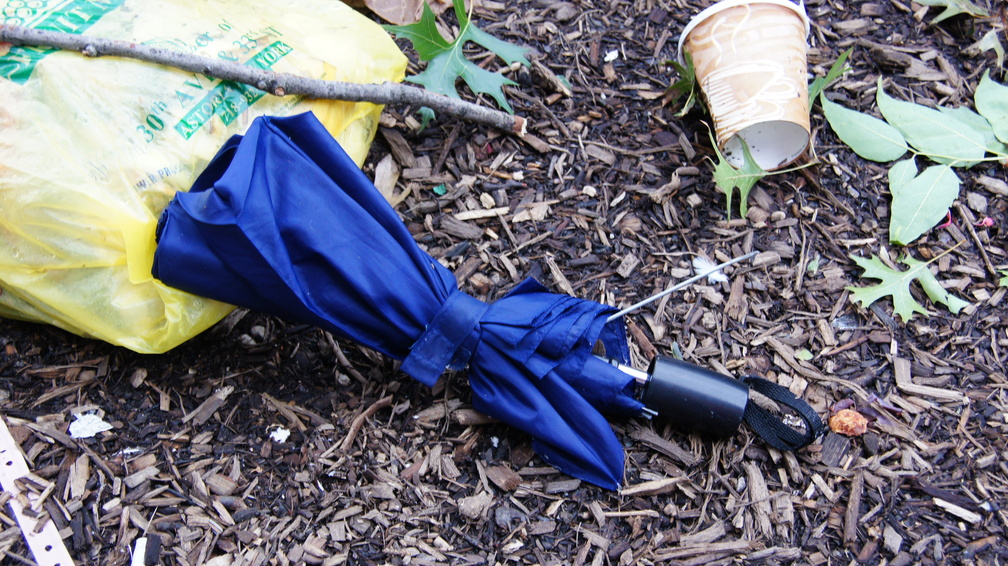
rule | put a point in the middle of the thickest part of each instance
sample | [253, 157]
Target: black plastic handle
[695, 398]
[698, 399]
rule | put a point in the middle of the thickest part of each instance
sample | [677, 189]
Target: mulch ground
[610, 198]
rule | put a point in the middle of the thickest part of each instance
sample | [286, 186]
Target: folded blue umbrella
[282, 221]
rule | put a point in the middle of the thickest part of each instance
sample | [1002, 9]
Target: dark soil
[621, 199]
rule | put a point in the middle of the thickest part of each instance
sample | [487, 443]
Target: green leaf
[934, 289]
[868, 136]
[447, 62]
[426, 115]
[921, 203]
[978, 123]
[954, 8]
[728, 178]
[813, 266]
[893, 283]
[990, 42]
[900, 174]
[1004, 278]
[441, 73]
[942, 138]
[992, 103]
[469, 32]
[685, 86]
[897, 285]
[424, 35]
[838, 68]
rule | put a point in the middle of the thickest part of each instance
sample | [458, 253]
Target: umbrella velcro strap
[448, 340]
[772, 428]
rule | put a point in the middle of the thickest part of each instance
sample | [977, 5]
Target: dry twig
[359, 421]
[278, 84]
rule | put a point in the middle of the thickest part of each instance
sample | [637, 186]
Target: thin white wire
[679, 285]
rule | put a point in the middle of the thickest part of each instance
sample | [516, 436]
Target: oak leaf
[896, 284]
[446, 62]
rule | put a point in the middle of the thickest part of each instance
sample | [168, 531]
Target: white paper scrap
[279, 434]
[88, 425]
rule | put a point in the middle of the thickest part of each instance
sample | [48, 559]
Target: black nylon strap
[770, 427]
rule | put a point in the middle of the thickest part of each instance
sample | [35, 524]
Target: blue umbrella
[283, 222]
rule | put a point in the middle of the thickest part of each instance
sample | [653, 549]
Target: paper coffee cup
[750, 61]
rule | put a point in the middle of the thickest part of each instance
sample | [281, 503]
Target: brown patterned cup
[750, 60]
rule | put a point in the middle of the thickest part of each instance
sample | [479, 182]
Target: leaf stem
[998, 156]
[944, 253]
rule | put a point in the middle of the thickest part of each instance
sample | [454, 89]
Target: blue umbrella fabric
[282, 221]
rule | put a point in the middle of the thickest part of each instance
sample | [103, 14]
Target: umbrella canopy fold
[282, 221]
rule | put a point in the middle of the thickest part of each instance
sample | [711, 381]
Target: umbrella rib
[678, 286]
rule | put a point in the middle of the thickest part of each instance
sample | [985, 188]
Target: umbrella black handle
[698, 399]
[694, 398]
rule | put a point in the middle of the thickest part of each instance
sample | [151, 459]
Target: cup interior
[773, 144]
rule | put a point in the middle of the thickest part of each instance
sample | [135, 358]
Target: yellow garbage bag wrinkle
[92, 150]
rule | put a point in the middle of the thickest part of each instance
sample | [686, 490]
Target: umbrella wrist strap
[772, 428]
[448, 341]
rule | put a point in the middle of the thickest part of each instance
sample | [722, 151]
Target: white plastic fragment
[612, 56]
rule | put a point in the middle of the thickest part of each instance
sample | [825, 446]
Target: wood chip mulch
[267, 442]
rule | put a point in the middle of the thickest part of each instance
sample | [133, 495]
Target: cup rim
[706, 13]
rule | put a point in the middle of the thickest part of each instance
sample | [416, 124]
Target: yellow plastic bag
[92, 150]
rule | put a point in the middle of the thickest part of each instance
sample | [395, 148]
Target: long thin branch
[279, 84]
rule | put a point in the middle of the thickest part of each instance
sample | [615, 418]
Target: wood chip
[853, 512]
[562, 486]
[208, 407]
[551, 79]
[141, 476]
[452, 225]
[711, 549]
[901, 368]
[759, 499]
[481, 213]
[653, 487]
[600, 153]
[628, 265]
[220, 484]
[964, 514]
[666, 447]
[710, 534]
[400, 148]
[138, 376]
[593, 538]
[80, 473]
[765, 259]
[504, 477]
[558, 276]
